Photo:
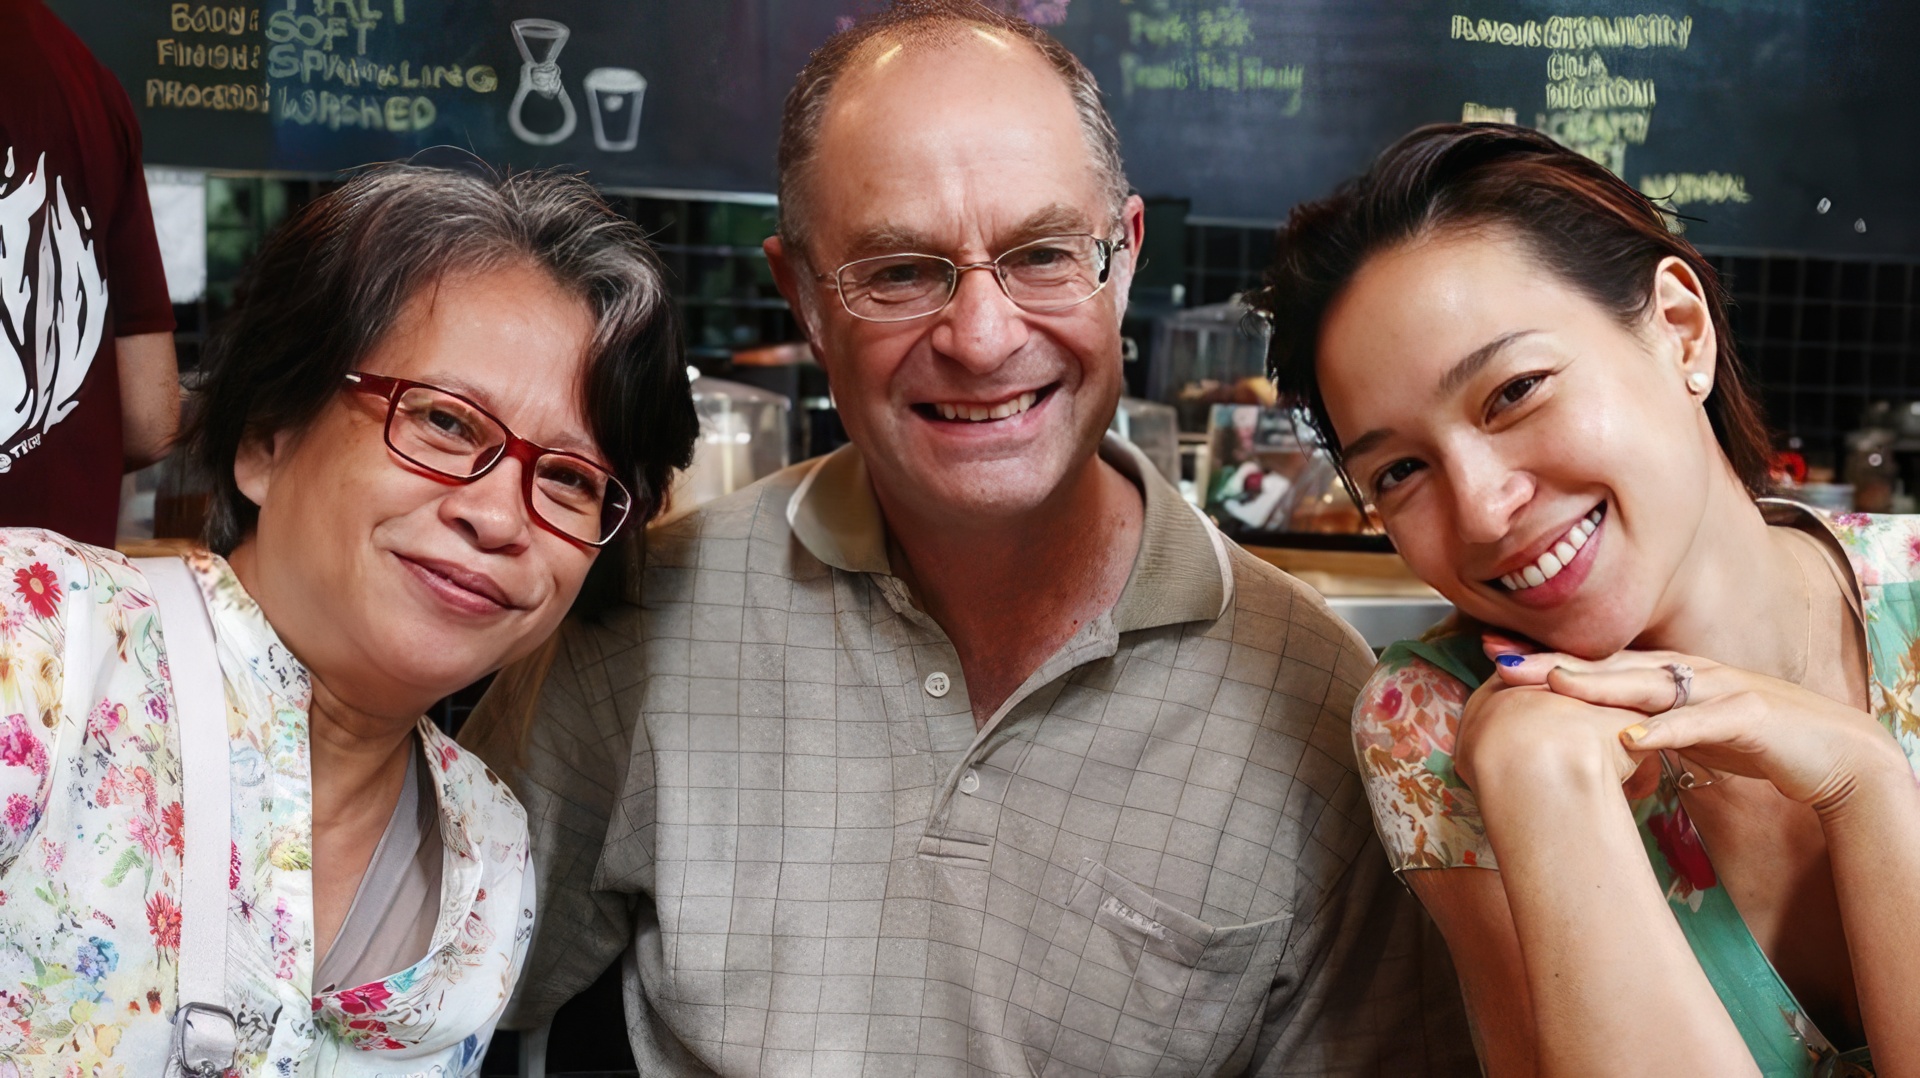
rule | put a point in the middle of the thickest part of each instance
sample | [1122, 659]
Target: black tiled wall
[1822, 336]
[1825, 337]
[1224, 258]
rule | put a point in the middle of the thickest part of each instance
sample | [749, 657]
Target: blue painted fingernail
[1510, 660]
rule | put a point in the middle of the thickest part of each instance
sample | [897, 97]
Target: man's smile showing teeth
[1548, 565]
[982, 413]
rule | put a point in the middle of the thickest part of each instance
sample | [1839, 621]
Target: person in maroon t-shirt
[88, 383]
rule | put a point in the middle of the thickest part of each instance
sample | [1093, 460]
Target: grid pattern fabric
[1158, 862]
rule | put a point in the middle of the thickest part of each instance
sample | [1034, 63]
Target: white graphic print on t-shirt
[53, 307]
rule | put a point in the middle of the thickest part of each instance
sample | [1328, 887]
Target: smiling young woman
[1532, 381]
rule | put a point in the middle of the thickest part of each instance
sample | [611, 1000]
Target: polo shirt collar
[1182, 572]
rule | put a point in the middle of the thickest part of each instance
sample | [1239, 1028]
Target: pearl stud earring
[1699, 382]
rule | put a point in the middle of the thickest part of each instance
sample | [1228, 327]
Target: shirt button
[937, 684]
[970, 781]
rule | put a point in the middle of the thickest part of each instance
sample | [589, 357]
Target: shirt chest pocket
[1132, 986]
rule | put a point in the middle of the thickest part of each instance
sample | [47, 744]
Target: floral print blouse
[91, 843]
[1406, 717]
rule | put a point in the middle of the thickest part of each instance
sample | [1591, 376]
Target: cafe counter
[1375, 593]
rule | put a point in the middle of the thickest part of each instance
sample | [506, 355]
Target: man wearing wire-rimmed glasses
[969, 749]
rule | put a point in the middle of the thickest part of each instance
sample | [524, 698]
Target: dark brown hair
[327, 286]
[927, 22]
[1576, 218]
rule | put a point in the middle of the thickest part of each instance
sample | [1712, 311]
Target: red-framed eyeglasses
[449, 436]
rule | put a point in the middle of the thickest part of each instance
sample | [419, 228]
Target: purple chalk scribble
[1044, 12]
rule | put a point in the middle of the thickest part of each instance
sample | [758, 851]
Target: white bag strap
[204, 1035]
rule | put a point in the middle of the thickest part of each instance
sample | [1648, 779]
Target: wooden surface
[155, 548]
[1337, 572]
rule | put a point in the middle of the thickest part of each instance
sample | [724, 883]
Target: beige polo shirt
[765, 786]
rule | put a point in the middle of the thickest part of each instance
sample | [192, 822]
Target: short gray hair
[329, 284]
[933, 23]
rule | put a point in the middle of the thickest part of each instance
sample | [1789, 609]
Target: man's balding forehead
[904, 27]
[897, 43]
[935, 32]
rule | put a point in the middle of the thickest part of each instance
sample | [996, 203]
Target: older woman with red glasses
[228, 840]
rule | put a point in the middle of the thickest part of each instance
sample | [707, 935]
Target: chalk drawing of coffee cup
[540, 42]
[613, 100]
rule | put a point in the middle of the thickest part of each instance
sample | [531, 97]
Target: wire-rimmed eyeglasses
[444, 433]
[1043, 276]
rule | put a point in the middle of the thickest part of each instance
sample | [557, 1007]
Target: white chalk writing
[320, 51]
[1590, 106]
[209, 19]
[202, 39]
[1208, 49]
[1579, 32]
[311, 65]
[1688, 188]
[1471, 113]
[172, 52]
[323, 108]
[223, 97]
[1582, 82]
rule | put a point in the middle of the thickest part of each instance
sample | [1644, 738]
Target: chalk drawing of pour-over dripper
[540, 75]
[614, 95]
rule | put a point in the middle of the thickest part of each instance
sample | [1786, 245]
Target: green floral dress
[1406, 718]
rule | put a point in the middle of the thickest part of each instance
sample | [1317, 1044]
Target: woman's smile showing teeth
[1550, 564]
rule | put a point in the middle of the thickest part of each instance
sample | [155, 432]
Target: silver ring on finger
[1682, 675]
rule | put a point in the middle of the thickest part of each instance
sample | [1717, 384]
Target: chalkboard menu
[1768, 123]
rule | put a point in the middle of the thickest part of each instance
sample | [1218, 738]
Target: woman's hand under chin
[1813, 749]
[1539, 736]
